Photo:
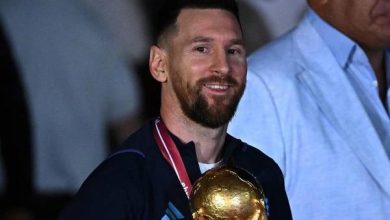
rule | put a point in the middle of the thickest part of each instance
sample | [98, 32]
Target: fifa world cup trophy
[227, 193]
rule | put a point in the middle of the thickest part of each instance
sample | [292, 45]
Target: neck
[377, 61]
[208, 141]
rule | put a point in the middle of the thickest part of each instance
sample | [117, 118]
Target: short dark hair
[169, 11]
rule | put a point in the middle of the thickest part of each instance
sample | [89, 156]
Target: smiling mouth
[383, 14]
[217, 86]
[383, 19]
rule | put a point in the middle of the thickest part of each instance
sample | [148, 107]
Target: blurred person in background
[128, 24]
[77, 86]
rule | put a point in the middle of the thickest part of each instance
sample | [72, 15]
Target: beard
[196, 107]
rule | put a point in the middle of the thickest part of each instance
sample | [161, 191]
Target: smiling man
[199, 59]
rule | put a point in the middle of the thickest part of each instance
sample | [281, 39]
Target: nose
[220, 63]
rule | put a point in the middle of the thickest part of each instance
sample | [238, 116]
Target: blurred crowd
[75, 82]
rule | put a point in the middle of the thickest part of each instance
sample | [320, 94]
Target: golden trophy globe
[227, 193]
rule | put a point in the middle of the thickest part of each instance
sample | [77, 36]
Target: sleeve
[256, 120]
[115, 190]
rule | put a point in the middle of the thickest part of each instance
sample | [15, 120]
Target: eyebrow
[200, 39]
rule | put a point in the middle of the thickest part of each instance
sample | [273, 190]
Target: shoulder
[113, 191]
[130, 157]
[260, 158]
[256, 161]
[250, 156]
[273, 70]
[121, 173]
[280, 49]
[128, 163]
[116, 188]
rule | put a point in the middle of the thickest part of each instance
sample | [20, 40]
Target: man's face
[207, 66]
[365, 21]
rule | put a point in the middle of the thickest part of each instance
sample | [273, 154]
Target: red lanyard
[171, 154]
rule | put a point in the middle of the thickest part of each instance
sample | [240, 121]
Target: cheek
[239, 69]
[199, 66]
[362, 16]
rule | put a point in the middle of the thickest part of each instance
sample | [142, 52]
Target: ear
[158, 63]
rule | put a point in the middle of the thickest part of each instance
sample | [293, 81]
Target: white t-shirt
[206, 166]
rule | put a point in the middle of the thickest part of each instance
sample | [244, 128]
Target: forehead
[208, 21]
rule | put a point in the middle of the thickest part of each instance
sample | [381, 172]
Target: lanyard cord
[171, 154]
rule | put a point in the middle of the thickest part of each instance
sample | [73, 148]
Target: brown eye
[232, 51]
[201, 49]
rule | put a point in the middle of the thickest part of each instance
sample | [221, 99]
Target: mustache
[227, 79]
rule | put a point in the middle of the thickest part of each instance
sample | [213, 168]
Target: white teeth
[216, 86]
